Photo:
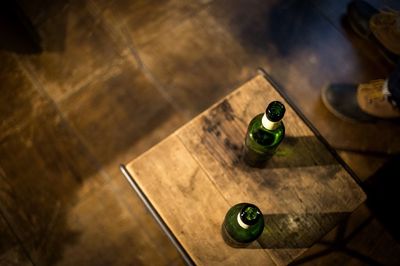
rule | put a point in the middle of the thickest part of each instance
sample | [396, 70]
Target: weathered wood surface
[194, 175]
[57, 207]
[189, 201]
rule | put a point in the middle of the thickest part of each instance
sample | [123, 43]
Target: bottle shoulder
[262, 139]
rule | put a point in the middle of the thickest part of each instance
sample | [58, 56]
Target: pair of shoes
[370, 101]
[382, 28]
[367, 102]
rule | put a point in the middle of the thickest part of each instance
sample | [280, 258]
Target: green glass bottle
[265, 132]
[243, 224]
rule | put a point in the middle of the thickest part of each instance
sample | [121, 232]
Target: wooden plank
[46, 170]
[140, 217]
[303, 190]
[146, 20]
[73, 54]
[44, 167]
[52, 192]
[124, 115]
[157, 218]
[19, 102]
[105, 232]
[190, 204]
[195, 73]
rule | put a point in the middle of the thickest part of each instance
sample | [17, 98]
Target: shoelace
[388, 96]
[380, 95]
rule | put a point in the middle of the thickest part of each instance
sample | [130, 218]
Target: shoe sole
[333, 110]
[363, 119]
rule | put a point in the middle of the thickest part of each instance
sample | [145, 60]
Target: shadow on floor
[17, 32]
[383, 191]
[258, 25]
[340, 245]
[383, 199]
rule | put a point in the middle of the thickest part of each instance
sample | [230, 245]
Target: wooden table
[191, 179]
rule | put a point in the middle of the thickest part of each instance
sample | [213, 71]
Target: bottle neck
[268, 124]
[241, 223]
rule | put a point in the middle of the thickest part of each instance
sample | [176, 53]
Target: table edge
[280, 90]
[156, 216]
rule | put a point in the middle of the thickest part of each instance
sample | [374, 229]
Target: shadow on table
[293, 152]
[301, 151]
[284, 231]
[292, 231]
[382, 190]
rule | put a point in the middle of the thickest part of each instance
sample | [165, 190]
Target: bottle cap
[275, 111]
[250, 214]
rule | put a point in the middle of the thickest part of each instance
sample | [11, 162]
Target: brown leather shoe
[341, 101]
[373, 99]
[386, 28]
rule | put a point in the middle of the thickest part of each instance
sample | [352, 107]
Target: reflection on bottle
[264, 134]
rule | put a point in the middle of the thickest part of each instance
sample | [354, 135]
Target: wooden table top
[196, 174]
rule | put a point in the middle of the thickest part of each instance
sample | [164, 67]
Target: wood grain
[124, 115]
[155, 241]
[304, 192]
[194, 73]
[17, 90]
[46, 170]
[307, 51]
[190, 204]
[43, 167]
[303, 178]
[146, 20]
[106, 232]
[53, 194]
[73, 54]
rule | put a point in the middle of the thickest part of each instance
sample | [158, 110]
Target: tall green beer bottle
[243, 224]
[264, 133]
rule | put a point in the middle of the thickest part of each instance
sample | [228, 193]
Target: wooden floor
[113, 78]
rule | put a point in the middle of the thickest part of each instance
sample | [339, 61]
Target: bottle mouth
[275, 111]
[250, 214]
